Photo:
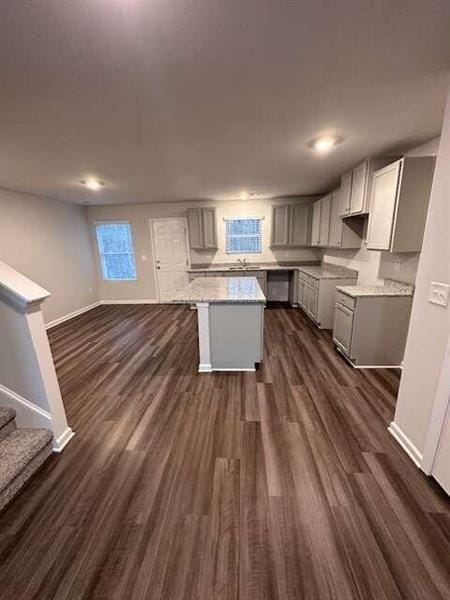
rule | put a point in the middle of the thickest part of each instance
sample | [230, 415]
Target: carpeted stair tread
[18, 450]
[6, 415]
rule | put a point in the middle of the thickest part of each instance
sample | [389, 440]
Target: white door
[169, 241]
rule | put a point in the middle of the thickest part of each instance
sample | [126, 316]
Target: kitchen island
[230, 322]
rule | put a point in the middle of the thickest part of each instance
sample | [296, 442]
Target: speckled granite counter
[223, 290]
[313, 268]
[327, 271]
[390, 288]
[260, 266]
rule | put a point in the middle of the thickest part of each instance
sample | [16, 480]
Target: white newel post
[28, 381]
[204, 337]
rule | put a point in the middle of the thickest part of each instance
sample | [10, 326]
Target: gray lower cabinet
[363, 344]
[291, 225]
[202, 228]
[316, 296]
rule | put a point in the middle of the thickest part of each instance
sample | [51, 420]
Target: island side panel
[236, 336]
[204, 337]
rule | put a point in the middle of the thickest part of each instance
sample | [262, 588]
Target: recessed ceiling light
[324, 144]
[93, 184]
[244, 195]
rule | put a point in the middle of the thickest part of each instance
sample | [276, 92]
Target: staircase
[22, 452]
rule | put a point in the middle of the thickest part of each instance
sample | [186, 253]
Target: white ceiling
[189, 99]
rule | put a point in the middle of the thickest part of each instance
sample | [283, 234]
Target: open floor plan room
[224, 300]
[281, 483]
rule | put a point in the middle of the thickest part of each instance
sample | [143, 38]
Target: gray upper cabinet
[325, 212]
[344, 233]
[400, 196]
[202, 228]
[335, 232]
[280, 226]
[291, 224]
[346, 193]
[356, 187]
[315, 228]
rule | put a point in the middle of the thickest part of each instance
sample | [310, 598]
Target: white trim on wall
[30, 415]
[411, 450]
[144, 301]
[438, 413]
[73, 314]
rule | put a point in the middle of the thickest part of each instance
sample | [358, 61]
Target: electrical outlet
[439, 293]
[144, 257]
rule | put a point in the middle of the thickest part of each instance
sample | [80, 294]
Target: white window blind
[243, 235]
[115, 247]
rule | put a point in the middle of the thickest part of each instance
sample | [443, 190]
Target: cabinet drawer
[345, 300]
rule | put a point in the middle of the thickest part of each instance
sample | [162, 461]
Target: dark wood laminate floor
[283, 484]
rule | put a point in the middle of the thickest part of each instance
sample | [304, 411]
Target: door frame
[152, 238]
[438, 414]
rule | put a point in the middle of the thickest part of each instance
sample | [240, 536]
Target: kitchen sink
[242, 268]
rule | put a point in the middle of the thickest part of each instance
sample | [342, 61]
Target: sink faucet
[242, 262]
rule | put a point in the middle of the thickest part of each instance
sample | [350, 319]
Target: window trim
[99, 254]
[244, 218]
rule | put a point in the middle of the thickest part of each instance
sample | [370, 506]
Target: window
[115, 247]
[243, 235]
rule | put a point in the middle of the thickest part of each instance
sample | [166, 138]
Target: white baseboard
[73, 314]
[414, 454]
[27, 413]
[30, 415]
[61, 442]
[145, 301]
[80, 311]
[205, 368]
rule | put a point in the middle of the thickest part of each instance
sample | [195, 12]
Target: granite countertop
[260, 266]
[327, 271]
[312, 268]
[227, 290]
[391, 287]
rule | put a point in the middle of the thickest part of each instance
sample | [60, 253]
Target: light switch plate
[439, 293]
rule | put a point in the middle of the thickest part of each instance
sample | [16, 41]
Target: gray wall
[139, 214]
[48, 241]
[430, 324]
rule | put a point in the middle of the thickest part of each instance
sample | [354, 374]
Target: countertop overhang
[222, 290]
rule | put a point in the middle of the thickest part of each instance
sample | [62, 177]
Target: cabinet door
[325, 211]
[312, 296]
[301, 292]
[280, 226]
[315, 229]
[209, 228]
[384, 196]
[346, 193]
[195, 226]
[343, 326]
[335, 235]
[299, 218]
[359, 188]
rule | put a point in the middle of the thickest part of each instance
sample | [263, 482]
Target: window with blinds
[115, 247]
[243, 236]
